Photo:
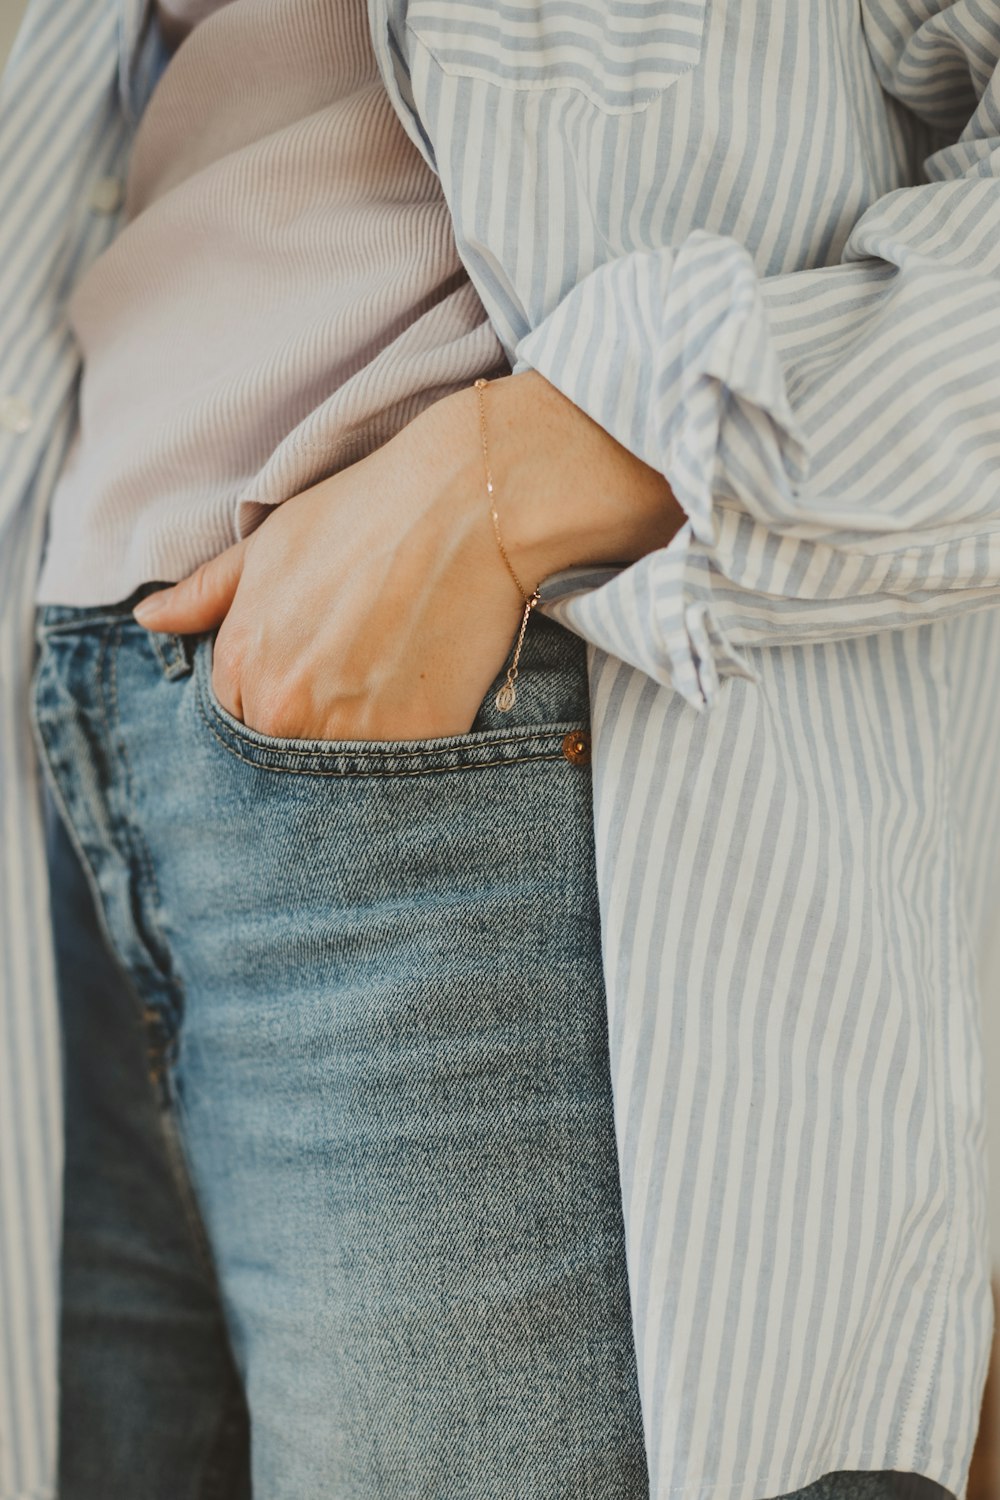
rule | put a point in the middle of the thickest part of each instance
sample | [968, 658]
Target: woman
[357, 1229]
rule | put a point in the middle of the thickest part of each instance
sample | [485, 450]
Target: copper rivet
[576, 748]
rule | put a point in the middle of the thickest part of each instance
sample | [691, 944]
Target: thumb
[199, 602]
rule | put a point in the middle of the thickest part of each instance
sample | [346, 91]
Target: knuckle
[232, 643]
[226, 659]
[226, 673]
[275, 713]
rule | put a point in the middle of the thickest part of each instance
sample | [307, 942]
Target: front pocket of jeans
[353, 758]
[621, 54]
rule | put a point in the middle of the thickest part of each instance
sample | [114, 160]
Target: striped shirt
[758, 241]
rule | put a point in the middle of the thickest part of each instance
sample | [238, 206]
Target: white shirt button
[106, 195]
[15, 414]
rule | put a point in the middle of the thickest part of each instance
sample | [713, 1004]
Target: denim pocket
[565, 738]
[620, 54]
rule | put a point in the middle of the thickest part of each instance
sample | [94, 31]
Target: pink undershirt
[284, 294]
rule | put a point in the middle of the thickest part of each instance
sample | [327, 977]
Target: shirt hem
[790, 1483]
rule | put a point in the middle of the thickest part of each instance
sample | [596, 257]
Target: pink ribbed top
[283, 296]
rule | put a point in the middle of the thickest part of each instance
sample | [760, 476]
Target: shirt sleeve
[832, 435]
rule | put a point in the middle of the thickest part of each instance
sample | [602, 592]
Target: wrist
[567, 492]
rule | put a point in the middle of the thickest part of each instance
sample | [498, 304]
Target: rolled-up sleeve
[832, 434]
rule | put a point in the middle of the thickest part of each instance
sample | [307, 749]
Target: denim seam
[482, 765]
[132, 832]
[168, 1114]
[125, 975]
[471, 742]
[75, 626]
[374, 775]
[137, 849]
[164, 1041]
[69, 822]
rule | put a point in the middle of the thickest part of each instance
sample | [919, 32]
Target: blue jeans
[342, 1212]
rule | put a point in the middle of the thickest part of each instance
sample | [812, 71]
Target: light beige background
[10, 16]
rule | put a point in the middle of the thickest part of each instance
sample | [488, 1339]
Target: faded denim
[342, 1214]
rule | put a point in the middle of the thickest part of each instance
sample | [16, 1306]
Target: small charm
[507, 696]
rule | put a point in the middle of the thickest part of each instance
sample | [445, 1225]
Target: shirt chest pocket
[621, 54]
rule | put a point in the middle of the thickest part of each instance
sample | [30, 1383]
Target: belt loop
[175, 652]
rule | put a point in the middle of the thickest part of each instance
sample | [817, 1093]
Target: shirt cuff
[662, 348]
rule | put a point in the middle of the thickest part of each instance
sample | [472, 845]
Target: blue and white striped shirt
[759, 242]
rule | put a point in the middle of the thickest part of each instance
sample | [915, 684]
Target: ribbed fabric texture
[284, 295]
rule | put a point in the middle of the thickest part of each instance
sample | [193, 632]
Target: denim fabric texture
[342, 1208]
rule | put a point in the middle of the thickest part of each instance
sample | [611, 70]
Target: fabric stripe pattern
[60, 128]
[760, 244]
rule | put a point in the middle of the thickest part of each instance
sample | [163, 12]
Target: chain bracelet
[507, 696]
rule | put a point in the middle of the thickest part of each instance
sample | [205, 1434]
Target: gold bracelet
[507, 696]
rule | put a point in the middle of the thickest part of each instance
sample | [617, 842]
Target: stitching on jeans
[76, 625]
[512, 737]
[176, 1161]
[513, 760]
[135, 837]
[139, 850]
[182, 1175]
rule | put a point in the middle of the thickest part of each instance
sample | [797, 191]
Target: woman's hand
[376, 606]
